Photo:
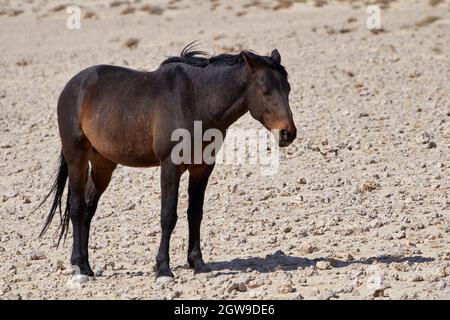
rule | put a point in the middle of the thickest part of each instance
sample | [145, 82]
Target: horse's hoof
[164, 280]
[199, 266]
[80, 278]
[89, 273]
[203, 268]
[77, 281]
[83, 270]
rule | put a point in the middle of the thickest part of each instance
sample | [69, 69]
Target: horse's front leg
[170, 181]
[198, 180]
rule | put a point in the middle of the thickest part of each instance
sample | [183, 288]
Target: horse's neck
[228, 97]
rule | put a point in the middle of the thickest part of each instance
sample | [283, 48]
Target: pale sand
[370, 97]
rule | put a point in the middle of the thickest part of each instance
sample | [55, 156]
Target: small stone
[431, 145]
[318, 232]
[238, 286]
[286, 287]
[131, 43]
[328, 294]
[423, 137]
[68, 271]
[442, 272]
[98, 273]
[350, 257]
[417, 278]
[302, 234]
[403, 267]
[37, 255]
[5, 289]
[287, 229]
[233, 188]
[298, 296]
[176, 294]
[60, 265]
[403, 296]
[420, 226]
[9, 194]
[369, 186]
[323, 265]
[308, 248]
[379, 292]
[277, 254]
[302, 181]
[401, 235]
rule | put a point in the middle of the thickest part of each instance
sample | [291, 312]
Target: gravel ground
[359, 210]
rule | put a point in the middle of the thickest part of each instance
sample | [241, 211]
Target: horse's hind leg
[77, 156]
[98, 179]
[198, 180]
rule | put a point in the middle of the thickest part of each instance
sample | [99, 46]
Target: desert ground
[360, 207]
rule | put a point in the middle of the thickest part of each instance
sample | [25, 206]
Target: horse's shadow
[280, 261]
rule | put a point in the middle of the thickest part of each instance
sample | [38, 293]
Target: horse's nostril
[284, 135]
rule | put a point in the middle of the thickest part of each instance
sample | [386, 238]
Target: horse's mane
[202, 59]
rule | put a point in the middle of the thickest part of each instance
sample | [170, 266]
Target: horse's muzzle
[287, 137]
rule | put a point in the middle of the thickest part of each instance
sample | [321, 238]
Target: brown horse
[109, 115]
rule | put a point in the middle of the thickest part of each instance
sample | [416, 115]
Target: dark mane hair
[201, 59]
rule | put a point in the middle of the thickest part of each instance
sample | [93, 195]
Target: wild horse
[109, 115]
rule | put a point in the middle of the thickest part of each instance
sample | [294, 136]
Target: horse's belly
[130, 159]
[125, 148]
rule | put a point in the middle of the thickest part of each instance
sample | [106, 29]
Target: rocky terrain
[360, 208]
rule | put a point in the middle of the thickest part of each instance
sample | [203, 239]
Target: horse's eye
[266, 93]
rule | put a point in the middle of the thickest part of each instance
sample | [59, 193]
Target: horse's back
[127, 115]
[86, 82]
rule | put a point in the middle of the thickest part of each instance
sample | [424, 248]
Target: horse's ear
[250, 62]
[275, 55]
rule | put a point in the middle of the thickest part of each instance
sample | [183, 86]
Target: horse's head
[268, 95]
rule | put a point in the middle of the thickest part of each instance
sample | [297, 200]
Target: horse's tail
[58, 189]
